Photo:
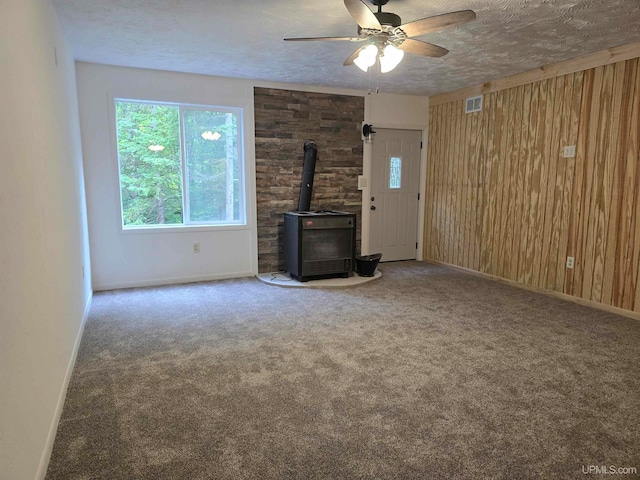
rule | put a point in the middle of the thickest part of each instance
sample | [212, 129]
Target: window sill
[182, 229]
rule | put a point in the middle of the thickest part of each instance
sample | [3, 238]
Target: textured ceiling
[243, 39]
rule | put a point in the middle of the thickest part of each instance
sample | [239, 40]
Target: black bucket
[366, 264]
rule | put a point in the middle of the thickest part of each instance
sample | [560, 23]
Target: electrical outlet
[196, 248]
[570, 262]
[569, 151]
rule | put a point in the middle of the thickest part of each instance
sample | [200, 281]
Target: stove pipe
[308, 170]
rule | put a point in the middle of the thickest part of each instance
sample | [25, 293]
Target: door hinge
[416, 245]
[420, 145]
[418, 196]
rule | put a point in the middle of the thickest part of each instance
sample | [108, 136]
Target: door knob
[373, 207]
[373, 198]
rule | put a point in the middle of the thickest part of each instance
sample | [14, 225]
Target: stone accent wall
[284, 120]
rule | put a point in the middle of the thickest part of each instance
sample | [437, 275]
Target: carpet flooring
[426, 373]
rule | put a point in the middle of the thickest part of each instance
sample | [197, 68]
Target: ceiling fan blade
[430, 24]
[353, 56]
[362, 15]
[425, 49]
[333, 39]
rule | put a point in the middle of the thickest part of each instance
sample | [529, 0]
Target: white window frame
[187, 225]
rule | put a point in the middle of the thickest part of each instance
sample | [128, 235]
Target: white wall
[122, 258]
[403, 112]
[407, 112]
[43, 240]
[126, 258]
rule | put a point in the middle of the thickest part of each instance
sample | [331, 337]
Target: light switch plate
[362, 182]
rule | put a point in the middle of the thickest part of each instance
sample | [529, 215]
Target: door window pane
[395, 172]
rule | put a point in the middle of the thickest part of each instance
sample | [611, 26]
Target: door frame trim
[366, 193]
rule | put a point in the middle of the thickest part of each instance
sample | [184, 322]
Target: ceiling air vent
[473, 104]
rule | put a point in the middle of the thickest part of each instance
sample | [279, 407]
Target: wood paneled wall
[503, 200]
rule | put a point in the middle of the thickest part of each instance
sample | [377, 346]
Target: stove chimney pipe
[308, 171]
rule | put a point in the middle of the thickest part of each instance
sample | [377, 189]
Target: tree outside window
[179, 165]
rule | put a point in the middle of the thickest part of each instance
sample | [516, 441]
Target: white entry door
[395, 188]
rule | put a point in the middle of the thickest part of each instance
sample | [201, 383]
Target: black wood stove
[318, 244]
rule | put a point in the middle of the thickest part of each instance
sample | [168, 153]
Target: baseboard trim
[551, 293]
[51, 437]
[156, 282]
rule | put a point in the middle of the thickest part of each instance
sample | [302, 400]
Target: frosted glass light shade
[390, 58]
[366, 58]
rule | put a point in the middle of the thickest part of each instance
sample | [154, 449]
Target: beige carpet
[426, 373]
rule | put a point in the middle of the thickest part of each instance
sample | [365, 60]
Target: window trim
[241, 224]
[154, 229]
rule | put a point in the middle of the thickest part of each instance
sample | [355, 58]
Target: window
[395, 172]
[180, 165]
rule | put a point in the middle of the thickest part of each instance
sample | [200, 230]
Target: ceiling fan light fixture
[390, 58]
[366, 58]
[384, 32]
[211, 136]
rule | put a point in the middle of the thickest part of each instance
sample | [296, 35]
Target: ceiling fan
[387, 38]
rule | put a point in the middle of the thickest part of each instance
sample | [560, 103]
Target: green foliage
[207, 163]
[151, 181]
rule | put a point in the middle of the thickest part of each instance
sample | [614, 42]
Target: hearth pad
[282, 279]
